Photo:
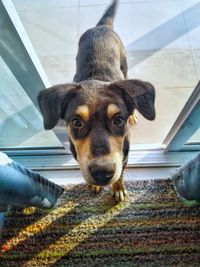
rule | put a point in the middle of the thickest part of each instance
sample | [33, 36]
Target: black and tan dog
[98, 105]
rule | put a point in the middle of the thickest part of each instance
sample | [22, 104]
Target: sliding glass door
[38, 44]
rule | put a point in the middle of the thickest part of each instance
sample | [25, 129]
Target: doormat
[152, 228]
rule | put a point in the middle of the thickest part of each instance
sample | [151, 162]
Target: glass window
[20, 121]
[195, 139]
[163, 48]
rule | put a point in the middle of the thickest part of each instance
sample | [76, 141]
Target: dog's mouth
[101, 180]
[102, 171]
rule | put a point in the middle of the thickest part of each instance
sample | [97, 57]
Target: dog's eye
[118, 120]
[76, 122]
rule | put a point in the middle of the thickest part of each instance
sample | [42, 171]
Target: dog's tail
[108, 16]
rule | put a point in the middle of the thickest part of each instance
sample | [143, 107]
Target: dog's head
[96, 115]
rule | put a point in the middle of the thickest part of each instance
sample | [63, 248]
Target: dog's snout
[102, 173]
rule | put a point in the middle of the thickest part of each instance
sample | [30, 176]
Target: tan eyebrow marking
[112, 109]
[83, 112]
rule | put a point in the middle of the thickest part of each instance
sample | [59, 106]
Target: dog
[98, 105]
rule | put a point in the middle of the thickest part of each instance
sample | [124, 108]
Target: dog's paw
[95, 188]
[120, 195]
[119, 192]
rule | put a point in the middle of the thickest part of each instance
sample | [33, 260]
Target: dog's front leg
[119, 191]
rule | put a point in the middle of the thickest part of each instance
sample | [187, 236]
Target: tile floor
[162, 39]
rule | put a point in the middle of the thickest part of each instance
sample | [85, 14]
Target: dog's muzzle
[102, 172]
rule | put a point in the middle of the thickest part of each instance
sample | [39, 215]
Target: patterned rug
[153, 228]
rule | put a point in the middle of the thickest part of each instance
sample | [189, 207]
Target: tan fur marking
[82, 147]
[83, 112]
[115, 144]
[112, 110]
[133, 119]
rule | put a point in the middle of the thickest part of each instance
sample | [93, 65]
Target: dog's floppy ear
[138, 94]
[51, 103]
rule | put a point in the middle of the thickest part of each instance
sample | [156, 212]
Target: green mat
[153, 228]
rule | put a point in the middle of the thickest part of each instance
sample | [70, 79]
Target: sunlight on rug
[153, 228]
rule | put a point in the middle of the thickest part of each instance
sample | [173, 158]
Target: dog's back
[97, 106]
[101, 55]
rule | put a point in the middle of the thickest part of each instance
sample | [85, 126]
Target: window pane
[163, 48]
[20, 122]
[195, 139]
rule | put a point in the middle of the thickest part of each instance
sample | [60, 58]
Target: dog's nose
[102, 173]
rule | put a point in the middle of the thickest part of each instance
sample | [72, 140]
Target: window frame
[185, 125]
